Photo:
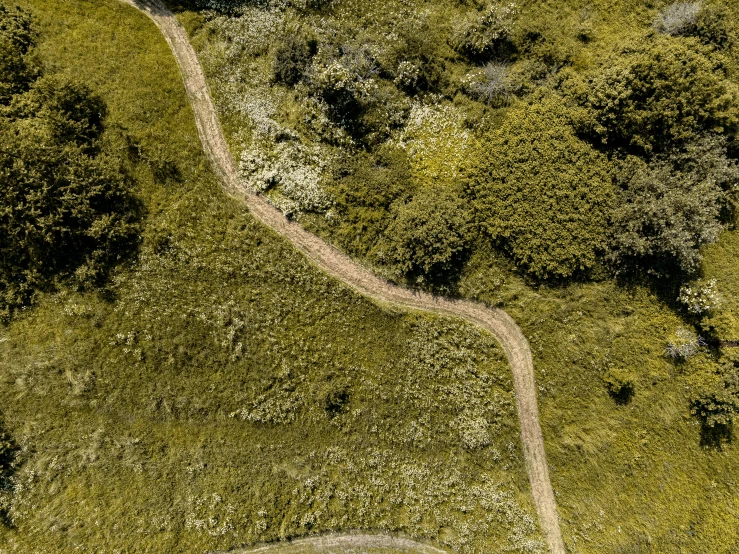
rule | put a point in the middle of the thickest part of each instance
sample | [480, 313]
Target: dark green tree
[66, 209]
[669, 208]
[17, 38]
[654, 94]
[428, 237]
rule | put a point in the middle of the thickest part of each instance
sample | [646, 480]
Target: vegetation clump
[656, 94]
[428, 236]
[542, 193]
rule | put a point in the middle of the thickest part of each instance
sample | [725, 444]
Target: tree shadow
[717, 436]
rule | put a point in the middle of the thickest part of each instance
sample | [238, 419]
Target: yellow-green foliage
[437, 143]
[541, 192]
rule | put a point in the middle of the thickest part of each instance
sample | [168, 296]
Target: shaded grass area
[221, 391]
[631, 473]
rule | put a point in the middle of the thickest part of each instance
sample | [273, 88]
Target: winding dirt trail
[340, 266]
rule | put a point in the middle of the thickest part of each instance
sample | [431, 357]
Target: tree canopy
[541, 192]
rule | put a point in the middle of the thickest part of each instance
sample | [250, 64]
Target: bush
[679, 18]
[414, 63]
[8, 462]
[671, 207]
[365, 188]
[656, 94]
[486, 35]
[428, 237]
[700, 298]
[683, 344]
[17, 38]
[69, 110]
[65, 210]
[620, 385]
[710, 23]
[292, 58]
[492, 85]
[715, 400]
[542, 193]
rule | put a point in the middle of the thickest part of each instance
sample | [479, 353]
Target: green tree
[428, 237]
[542, 193]
[17, 38]
[670, 207]
[654, 94]
[66, 210]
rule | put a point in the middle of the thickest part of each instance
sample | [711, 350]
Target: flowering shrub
[436, 142]
[295, 170]
[481, 35]
[683, 344]
[699, 298]
[679, 18]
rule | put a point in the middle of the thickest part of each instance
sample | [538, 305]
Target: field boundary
[342, 267]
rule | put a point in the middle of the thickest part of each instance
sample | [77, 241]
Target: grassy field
[221, 391]
[638, 476]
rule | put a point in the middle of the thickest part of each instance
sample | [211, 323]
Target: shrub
[485, 35]
[671, 207]
[292, 58]
[655, 94]
[710, 23]
[492, 85]
[414, 62]
[8, 462]
[364, 189]
[69, 110]
[714, 401]
[683, 344]
[700, 298]
[713, 26]
[17, 38]
[620, 385]
[542, 193]
[428, 237]
[679, 18]
[65, 210]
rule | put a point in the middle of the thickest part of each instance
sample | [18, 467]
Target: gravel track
[340, 266]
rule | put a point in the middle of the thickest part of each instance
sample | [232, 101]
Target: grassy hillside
[220, 391]
[632, 469]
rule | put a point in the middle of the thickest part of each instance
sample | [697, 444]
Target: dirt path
[327, 544]
[339, 265]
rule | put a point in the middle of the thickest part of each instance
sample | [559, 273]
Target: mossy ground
[221, 391]
[636, 476]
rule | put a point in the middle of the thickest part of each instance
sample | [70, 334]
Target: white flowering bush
[679, 18]
[291, 172]
[699, 298]
[683, 344]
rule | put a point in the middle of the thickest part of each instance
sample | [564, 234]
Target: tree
[428, 236]
[292, 58]
[670, 207]
[66, 210]
[541, 193]
[656, 94]
[69, 110]
[17, 38]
